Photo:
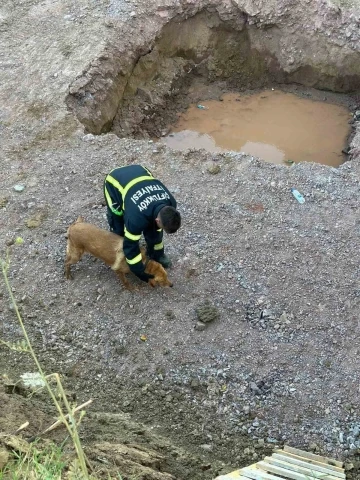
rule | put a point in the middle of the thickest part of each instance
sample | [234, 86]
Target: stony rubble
[281, 362]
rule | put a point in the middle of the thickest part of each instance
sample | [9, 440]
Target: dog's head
[159, 272]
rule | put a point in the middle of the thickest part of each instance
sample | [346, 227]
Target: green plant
[46, 463]
[80, 467]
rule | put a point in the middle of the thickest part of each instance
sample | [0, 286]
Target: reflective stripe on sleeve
[115, 183]
[137, 259]
[130, 236]
[159, 246]
[151, 175]
[110, 204]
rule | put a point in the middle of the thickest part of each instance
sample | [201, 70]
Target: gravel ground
[277, 364]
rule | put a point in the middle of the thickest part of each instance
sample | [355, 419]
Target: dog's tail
[80, 219]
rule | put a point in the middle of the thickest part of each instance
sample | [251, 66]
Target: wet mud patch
[276, 126]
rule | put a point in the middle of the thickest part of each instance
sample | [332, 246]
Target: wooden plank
[323, 468]
[230, 476]
[306, 470]
[312, 456]
[236, 475]
[255, 474]
[308, 460]
[289, 474]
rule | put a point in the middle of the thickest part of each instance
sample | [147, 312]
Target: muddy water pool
[276, 126]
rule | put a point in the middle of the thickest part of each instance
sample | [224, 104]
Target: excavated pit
[137, 90]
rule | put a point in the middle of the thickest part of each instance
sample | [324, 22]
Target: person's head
[169, 219]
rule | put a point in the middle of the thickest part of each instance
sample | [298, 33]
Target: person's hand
[145, 277]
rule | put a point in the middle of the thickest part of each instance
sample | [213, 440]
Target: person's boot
[158, 256]
[164, 260]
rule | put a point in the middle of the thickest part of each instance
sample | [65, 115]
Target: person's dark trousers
[116, 222]
[153, 239]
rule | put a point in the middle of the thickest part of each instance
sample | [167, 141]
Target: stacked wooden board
[290, 464]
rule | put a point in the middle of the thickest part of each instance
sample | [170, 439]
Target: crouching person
[137, 204]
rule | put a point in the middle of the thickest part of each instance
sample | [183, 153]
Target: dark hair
[170, 219]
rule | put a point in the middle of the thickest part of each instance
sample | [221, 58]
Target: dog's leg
[73, 255]
[124, 280]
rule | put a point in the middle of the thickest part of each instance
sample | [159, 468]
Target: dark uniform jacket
[131, 192]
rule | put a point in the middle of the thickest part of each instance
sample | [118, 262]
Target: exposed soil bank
[132, 86]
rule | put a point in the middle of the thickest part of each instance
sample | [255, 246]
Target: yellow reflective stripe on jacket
[108, 198]
[110, 204]
[132, 183]
[116, 184]
[159, 246]
[131, 236]
[137, 259]
[151, 175]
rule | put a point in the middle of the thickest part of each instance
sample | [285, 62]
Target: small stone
[214, 169]
[120, 350]
[313, 447]
[16, 443]
[195, 383]
[206, 447]
[4, 458]
[207, 313]
[88, 138]
[19, 188]
[35, 221]
[200, 326]
[170, 315]
[255, 388]
[3, 201]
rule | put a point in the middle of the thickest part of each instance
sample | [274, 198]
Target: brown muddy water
[276, 126]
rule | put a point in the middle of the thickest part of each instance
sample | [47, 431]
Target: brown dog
[86, 238]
